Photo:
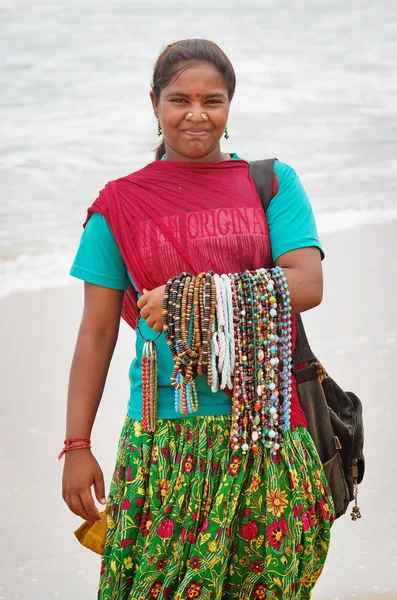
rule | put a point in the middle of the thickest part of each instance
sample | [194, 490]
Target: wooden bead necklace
[149, 383]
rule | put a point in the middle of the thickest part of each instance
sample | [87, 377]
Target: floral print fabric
[190, 518]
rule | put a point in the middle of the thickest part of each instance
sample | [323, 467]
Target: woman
[189, 517]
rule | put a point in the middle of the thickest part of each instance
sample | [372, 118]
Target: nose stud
[190, 116]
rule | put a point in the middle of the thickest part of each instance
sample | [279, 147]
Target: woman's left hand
[151, 307]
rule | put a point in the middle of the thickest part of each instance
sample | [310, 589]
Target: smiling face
[193, 111]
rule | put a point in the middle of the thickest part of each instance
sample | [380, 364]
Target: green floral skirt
[190, 518]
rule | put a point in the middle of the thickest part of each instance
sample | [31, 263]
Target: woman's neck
[214, 156]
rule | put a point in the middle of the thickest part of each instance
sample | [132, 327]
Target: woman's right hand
[81, 472]
[150, 305]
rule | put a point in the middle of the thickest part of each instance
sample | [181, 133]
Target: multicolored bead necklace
[236, 330]
[262, 375]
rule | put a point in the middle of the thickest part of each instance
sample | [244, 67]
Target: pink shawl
[171, 217]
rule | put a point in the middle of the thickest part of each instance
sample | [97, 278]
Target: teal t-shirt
[99, 261]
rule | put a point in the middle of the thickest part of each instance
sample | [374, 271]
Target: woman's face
[196, 93]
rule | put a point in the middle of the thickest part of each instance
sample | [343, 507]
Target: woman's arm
[304, 274]
[94, 349]
[294, 240]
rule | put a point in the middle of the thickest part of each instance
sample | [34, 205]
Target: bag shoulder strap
[302, 353]
[262, 174]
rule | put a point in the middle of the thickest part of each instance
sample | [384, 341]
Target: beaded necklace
[262, 384]
[236, 329]
[149, 383]
[220, 317]
[226, 291]
[286, 353]
[188, 312]
[238, 401]
[198, 318]
[209, 307]
[214, 356]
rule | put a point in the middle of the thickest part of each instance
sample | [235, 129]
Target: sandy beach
[354, 333]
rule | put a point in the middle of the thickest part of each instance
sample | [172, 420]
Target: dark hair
[178, 56]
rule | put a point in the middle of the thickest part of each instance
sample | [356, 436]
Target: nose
[196, 116]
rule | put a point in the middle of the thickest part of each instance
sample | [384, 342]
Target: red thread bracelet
[64, 450]
[71, 440]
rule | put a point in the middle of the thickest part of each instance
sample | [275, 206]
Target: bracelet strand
[67, 449]
[78, 439]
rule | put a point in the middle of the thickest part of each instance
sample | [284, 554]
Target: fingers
[155, 325]
[91, 511]
[145, 312]
[68, 500]
[150, 306]
[99, 487]
[85, 509]
[76, 506]
[150, 321]
[142, 301]
[78, 479]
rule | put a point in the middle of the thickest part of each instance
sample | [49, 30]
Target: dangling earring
[226, 133]
[159, 132]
